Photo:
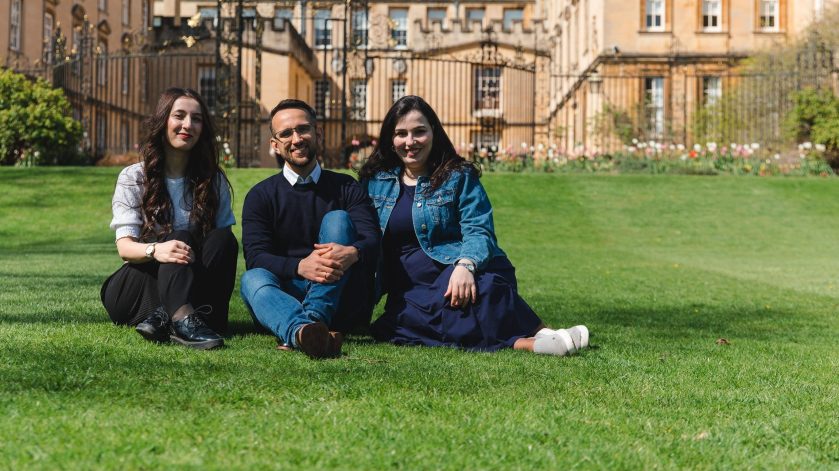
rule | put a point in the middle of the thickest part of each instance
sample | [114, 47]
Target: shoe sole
[336, 340]
[313, 339]
[203, 345]
[152, 335]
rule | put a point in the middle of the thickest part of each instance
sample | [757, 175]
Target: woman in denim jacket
[448, 283]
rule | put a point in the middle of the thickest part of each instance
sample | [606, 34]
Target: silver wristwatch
[150, 250]
[467, 265]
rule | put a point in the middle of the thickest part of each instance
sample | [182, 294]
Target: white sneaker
[558, 342]
[578, 333]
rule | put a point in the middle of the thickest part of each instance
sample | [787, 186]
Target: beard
[300, 156]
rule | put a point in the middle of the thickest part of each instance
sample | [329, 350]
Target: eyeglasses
[302, 130]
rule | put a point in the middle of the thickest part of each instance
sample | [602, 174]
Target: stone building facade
[658, 60]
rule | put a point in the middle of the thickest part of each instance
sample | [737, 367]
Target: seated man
[309, 235]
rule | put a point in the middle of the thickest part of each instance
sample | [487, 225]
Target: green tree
[35, 123]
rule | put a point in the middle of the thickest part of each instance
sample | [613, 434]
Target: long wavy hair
[203, 172]
[443, 158]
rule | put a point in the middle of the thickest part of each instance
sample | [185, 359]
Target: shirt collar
[294, 179]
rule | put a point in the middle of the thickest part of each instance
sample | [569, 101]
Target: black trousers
[136, 289]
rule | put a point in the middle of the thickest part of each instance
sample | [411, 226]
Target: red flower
[692, 154]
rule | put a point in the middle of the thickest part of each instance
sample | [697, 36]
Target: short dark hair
[292, 103]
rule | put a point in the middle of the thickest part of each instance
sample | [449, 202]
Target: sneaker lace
[199, 315]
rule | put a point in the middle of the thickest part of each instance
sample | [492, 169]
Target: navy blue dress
[416, 313]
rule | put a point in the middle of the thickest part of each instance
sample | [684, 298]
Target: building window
[49, 23]
[475, 15]
[654, 106]
[360, 26]
[126, 12]
[655, 15]
[711, 90]
[358, 99]
[145, 14]
[397, 89]
[487, 140]
[712, 15]
[126, 73]
[14, 25]
[487, 88]
[124, 136]
[322, 98]
[399, 26]
[282, 16]
[819, 9]
[436, 15]
[323, 28]
[769, 15]
[102, 63]
[101, 134]
[512, 15]
[207, 85]
[103, 5]
[208, 15]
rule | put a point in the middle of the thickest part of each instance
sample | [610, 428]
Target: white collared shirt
[294, 179]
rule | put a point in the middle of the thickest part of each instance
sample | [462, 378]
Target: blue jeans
[284, 306]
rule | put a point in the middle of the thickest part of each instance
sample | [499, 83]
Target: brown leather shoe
[313, 339]
[336, 339]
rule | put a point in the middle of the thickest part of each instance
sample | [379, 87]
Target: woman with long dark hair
[172, 216]
[447, 281]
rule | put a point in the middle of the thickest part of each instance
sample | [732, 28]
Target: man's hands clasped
[328, 262]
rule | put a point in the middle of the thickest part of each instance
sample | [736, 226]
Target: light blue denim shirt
[451, 223]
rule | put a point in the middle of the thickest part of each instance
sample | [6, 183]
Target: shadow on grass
[685, 323]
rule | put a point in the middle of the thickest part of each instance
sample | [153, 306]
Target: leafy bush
[815, 117]
[34, 124]
[612, 121]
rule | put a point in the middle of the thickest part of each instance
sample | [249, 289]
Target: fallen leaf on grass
[702, 436]
[722, 341]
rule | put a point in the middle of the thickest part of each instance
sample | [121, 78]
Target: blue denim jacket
[452, 222]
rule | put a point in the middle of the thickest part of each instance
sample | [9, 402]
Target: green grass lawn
[658, 267]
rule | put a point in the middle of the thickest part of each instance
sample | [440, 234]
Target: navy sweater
[280, 223]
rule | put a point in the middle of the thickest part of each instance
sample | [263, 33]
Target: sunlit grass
[660, 268]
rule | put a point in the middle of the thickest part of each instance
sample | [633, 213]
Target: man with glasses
[310, 239]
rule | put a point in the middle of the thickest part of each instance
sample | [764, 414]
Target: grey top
[128, 198]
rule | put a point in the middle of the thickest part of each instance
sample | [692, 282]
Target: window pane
[397, 89]
[322, 98]
[323, 28]
[358, 99]
[654, 103]
[399, 26]
[712, 90]
[488, 88]
[207, 85]
[281, 16]
[14, 26]
[48, 24]
[436, 14]
[512, 16]
[475, 15]
[359, 27]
